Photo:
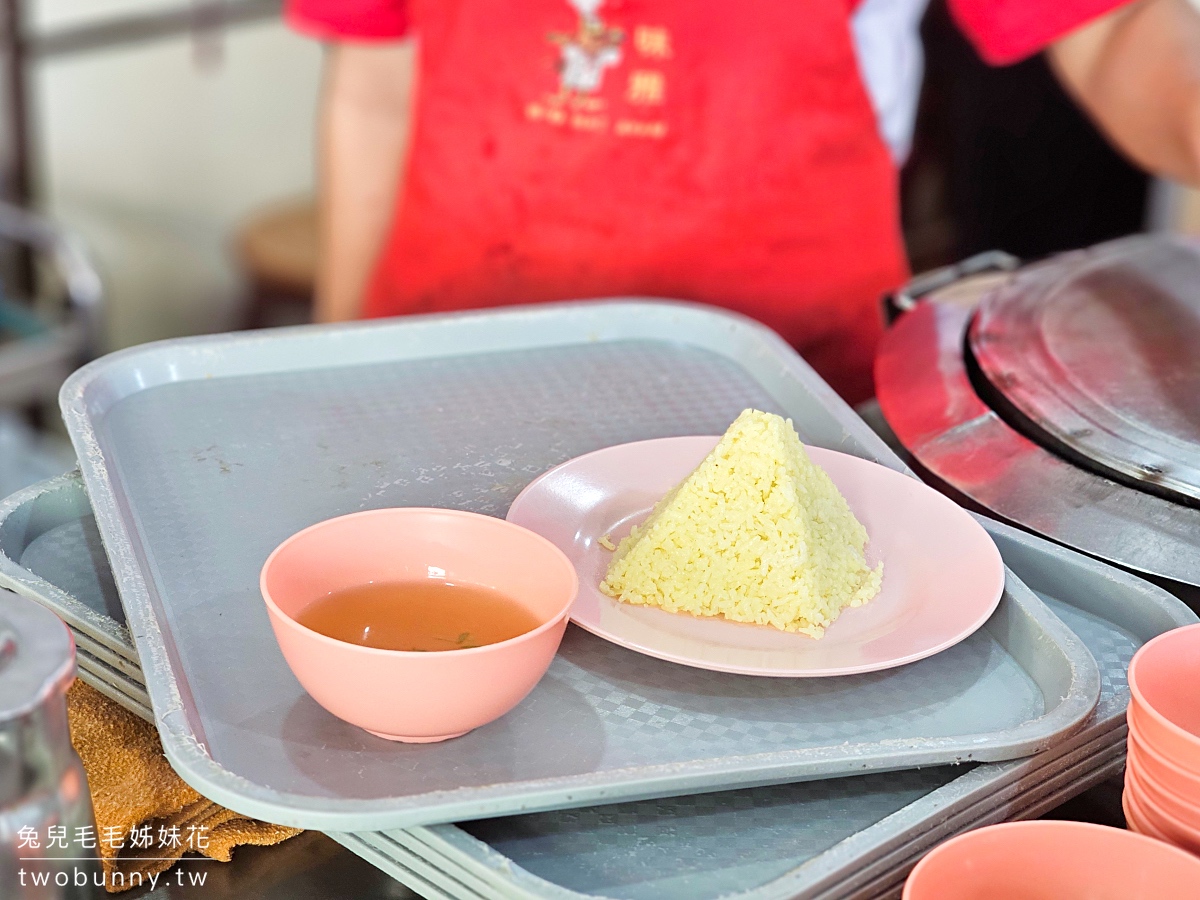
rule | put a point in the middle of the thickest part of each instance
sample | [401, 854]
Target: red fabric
[726, 158]
[732, 160]
[1005, 31]
[340, 19]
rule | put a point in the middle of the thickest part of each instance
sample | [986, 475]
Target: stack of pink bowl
[1162, 774]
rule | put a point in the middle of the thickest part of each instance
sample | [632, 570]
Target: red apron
[687, 149]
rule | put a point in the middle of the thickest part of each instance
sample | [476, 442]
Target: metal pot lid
[962, 444]
[1099, 353]
[37, 656]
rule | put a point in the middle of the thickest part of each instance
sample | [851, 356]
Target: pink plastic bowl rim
[417, 511]
[1049, 826]
[1139, 698]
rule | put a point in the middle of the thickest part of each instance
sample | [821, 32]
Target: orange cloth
[137, 795]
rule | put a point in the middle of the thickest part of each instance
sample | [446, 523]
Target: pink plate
[942, 576]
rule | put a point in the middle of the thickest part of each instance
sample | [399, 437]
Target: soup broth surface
[426, 616]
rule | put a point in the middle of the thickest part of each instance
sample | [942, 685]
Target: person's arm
[1136, 71]
[365, 116]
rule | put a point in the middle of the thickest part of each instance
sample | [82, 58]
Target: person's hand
[1136, 71]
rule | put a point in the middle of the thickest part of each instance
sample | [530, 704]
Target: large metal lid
[1100, 352]
[37, 656]
[962, 444]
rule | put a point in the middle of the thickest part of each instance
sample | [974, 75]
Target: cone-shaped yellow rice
[757, 533]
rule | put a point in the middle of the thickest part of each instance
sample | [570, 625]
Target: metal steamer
[1063, 396]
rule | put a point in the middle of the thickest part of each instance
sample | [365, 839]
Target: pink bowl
[1171, 806]
[1135, 821]
[1162, 678]
[1054, 861]
[1151, 736]
[1165, 773]
[1153, 822]
[410, 696]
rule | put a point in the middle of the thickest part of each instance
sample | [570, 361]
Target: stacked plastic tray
[844, 837]
[824, 837]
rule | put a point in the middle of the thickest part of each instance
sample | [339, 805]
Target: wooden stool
[277, 251]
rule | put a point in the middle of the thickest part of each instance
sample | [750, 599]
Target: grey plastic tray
[50, 550]
[799, 840]
[835, 834]
[869, 795]
[430, 879]
[814, 840]
[201, 455]
[891, 885]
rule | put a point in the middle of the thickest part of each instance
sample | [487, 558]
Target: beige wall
[155, 158]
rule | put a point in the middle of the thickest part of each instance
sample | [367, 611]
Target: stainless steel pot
[1062, 396]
